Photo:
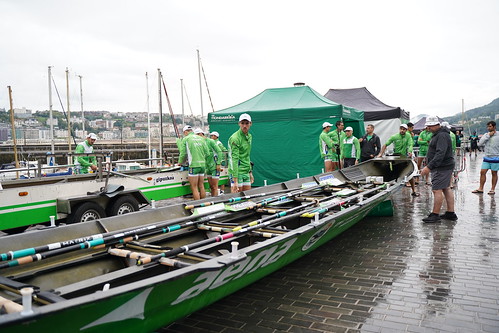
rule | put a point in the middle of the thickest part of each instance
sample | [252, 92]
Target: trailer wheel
[87, 211]
[123, 205]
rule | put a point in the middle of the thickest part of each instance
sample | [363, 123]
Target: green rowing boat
[143, 270]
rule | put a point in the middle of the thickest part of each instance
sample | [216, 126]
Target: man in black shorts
[441, 165]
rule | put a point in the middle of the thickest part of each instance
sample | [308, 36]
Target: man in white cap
[326, 147]
[240, 174]
[402, 146]
[212, 163]
[222, 157]
[194, 149]
[84, 162]
[350, 149]
[441, 165]
[180, 142]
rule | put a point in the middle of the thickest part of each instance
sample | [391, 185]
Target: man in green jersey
[350, 149]
[337, 137]
[326, 147]
[423, 141]
[240, 173]
[452, 135]
[212, 163]
[84, 162]
[180, 142]
[453, 143]
[194, 148]
[221, 157]
[403, 143]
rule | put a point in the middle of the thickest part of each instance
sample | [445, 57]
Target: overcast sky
[424, 56]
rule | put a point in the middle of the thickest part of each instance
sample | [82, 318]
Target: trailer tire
[86, 212]
[123, 205]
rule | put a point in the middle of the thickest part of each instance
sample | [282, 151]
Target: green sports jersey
[402, 143]
[83, 162]
[222, 157]
[239, 153]
[195, 149]
[214, 151]
[325, 145]
[453, 140]
[423, 141]
[337, 138]
[350, 148]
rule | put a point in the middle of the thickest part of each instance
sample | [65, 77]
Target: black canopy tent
[362, 99]
[385, 118]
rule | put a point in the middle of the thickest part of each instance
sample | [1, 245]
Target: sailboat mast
[68, 112]
[160, 116]
[52, 149]
[182, 93]
[148, 122]
[200, 89]
[81, 102]
[13, 128]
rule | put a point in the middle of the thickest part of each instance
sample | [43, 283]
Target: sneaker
[432, 218]
[449, 216]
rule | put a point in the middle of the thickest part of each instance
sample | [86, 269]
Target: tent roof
[362, 99]
[420, 124]
[286, 103]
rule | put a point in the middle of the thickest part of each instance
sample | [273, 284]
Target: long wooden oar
[275, 219]
[237, 199]
[222, 237]
[309, 214]
[46, 251]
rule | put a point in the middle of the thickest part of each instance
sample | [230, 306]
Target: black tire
[87, 211]
[123, 205]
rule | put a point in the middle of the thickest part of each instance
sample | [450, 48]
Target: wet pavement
[388, 274]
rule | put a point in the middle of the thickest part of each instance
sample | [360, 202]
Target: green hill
[476, 119]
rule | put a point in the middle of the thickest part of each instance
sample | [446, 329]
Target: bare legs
[438, 199]
[483, 179]
[197, 187]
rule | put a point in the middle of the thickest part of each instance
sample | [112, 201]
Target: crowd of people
[204, 156]
[436, 156]
[339, 148]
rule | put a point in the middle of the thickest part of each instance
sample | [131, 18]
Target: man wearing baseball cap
[213, 167]
[193, 148]
[326, 147]
[440, 163]
[350, 149]
[240, 174]
[222, 157]
[84, 162]
[402, 146]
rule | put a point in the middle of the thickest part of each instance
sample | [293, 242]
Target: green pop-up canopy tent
[286, 126]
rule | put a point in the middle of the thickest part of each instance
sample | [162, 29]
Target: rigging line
[64, 112]
[188, 101]
[177, 133]
[206, 83]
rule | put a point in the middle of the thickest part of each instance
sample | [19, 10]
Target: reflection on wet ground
[391, 274]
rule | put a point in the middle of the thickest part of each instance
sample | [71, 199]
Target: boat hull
[140, 307]
[146, 303]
